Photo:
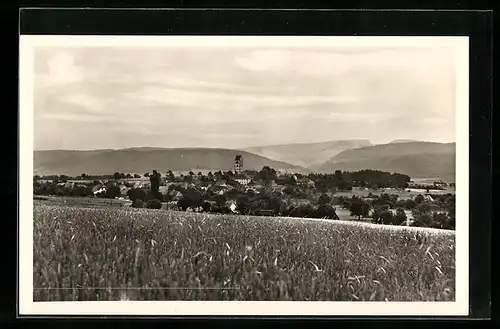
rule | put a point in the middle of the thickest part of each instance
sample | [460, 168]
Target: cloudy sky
[116, 97]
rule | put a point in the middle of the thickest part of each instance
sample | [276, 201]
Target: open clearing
[140, 254]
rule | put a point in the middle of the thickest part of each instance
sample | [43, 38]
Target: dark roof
[238, 157]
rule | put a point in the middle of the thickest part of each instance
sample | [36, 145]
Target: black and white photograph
[273, 175]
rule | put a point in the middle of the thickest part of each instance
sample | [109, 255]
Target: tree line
[309, 196]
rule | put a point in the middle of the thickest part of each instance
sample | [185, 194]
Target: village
[266, 192]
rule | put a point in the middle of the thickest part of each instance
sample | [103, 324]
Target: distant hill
[307, 154]
[416, 159]
[396, 141]
[141, 160]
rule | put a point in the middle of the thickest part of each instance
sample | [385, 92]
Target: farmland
[114, 253]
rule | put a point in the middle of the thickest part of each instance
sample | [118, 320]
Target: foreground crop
[140, 254]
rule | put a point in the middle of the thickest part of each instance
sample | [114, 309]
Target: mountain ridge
[306, 154]
[139, 160]
[416, 159]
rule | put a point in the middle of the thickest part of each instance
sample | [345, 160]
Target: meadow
[117, 253]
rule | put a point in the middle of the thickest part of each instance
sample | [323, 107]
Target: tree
[400, 217]
[321, 186]
[386, 216]
[419, 198]
[386, 199]
[170, 175]
[220, 200]
[440, 220]
[146, 175]
[155, 185]
[267, 174]
[377, 211]
[345, 185]
[137, 176]
[359, 208]
[274, 203]
[116, 175]
[410, 204]
[422, 215]
[190, 199]
[450, 208]
[136, 193]
[324, 199]
[112, 192]
[326, 211]
[206, 206]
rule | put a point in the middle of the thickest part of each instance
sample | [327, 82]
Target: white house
[243, 181]
[428, 198]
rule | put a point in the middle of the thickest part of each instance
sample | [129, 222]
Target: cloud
[313, 63]
[59, 69]
[242, 96]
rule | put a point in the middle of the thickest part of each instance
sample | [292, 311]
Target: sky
[117, 97]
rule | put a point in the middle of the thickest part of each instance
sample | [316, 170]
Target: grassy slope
[258, 258]
[141, 160]
[306, 154]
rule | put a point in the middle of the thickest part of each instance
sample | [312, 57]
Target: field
[403, 194]
[114, 253]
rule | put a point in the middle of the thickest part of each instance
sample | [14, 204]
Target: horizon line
[242, 148]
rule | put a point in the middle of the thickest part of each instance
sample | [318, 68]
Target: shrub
[138, 203]
[386, 217]
[400, 217]
[326, 211]
[191, 199]
[206, 206]
[136, 193]
[241, 204]
[154, 204]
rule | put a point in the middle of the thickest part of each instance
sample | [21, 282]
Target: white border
[28, 307]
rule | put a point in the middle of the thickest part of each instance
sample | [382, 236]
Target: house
[124, 191]
[98, 189]
[163, 189]
[137, 184]
[220, 182]
[305, 182]
[428, 197]
[243, 180]
[248, 189]
[175, 195]
[231, 204]
[220, 189]
[238, 164]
